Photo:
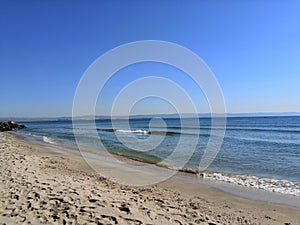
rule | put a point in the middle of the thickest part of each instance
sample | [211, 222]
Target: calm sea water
[254, 146]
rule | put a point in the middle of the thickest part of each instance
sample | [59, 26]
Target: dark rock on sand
[10, 125]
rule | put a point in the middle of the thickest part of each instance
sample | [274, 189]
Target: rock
[10, 125]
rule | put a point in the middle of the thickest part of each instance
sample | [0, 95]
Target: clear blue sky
[253, 48]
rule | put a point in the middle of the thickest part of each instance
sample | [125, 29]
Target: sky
[252, 47]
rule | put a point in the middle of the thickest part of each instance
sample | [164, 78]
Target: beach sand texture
[43, 185]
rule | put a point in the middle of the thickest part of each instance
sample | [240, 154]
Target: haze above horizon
[252, 47]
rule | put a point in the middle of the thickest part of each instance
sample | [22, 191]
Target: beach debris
[10, 125]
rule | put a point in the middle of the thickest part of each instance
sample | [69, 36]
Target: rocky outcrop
[10, 125]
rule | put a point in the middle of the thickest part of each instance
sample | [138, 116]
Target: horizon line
[153, 114]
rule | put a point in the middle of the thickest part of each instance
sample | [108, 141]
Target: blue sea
[263, 152]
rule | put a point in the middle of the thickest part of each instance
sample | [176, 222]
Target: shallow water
[253, 147]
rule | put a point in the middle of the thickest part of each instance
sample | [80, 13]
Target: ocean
[261, 152]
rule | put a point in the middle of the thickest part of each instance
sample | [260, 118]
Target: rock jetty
[10, 125]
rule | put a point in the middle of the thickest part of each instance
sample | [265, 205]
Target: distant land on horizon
[185, 115]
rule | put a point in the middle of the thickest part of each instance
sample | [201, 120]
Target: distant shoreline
[164, 116]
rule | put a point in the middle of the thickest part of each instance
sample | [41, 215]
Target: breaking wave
[48, 140]
[268, 184]
[139, 131]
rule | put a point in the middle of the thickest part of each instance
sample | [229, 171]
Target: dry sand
[43, 185]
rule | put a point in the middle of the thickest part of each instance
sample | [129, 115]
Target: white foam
[48, 140]
[134, 131]
[268, 184]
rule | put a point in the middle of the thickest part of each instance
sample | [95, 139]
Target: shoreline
[194, 203]
[277, 188]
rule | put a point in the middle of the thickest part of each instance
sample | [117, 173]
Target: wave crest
[139, 131]
[48, 140]
[267, 184]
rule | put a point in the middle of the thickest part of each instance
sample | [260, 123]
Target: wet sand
[44, 185]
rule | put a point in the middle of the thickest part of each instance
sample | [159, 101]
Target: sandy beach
[44, 185]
